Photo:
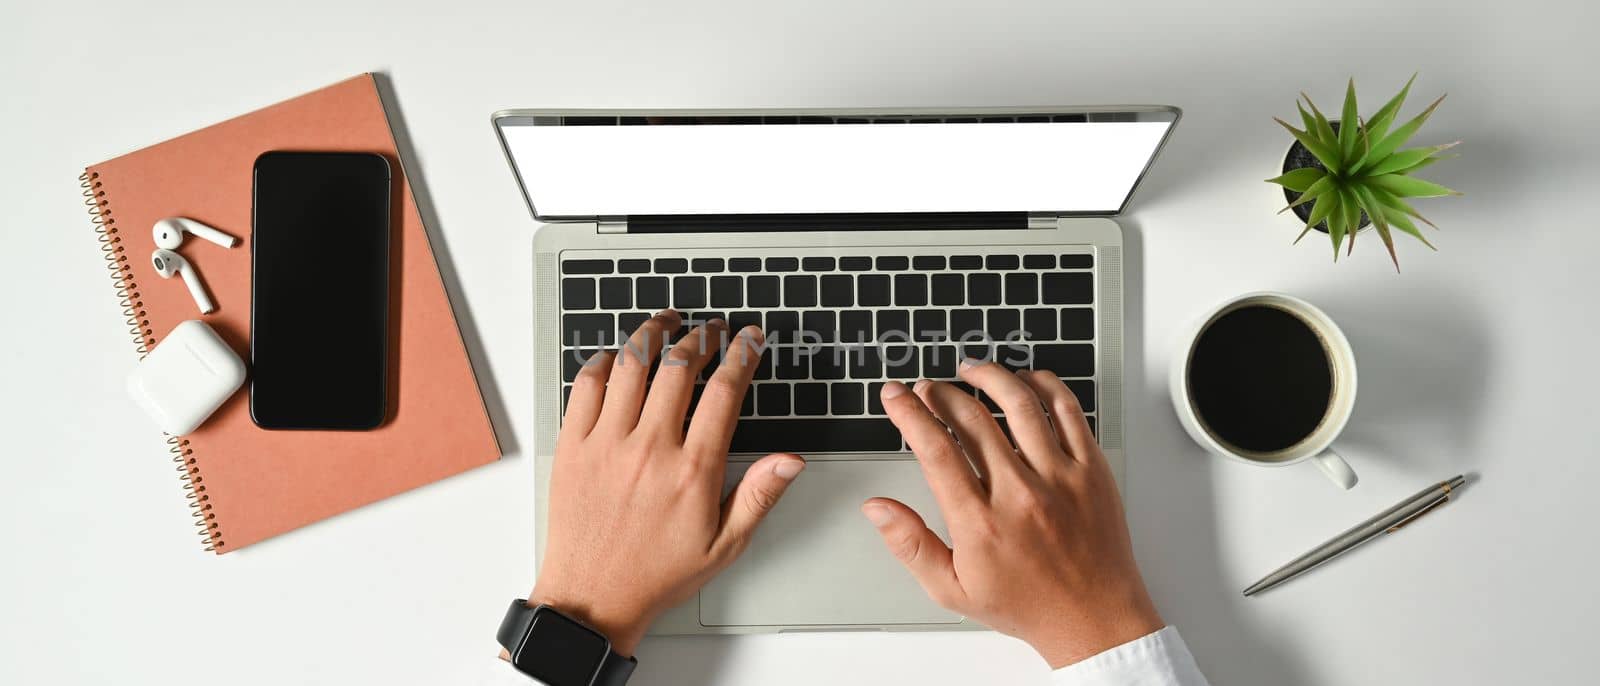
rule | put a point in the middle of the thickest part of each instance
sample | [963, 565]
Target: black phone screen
[319, 290]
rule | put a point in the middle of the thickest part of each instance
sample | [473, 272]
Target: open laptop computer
[871, 245]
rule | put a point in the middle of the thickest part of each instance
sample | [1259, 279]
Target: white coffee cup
[1315, 447]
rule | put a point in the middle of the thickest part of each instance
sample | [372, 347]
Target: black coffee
[1260, 379]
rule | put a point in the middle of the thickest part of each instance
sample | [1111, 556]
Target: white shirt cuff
[1158, 659]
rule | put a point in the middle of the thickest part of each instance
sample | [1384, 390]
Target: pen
[1386, 522]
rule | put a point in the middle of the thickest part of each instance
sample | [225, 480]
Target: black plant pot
[1299, 157]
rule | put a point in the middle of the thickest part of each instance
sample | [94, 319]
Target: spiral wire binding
[105, 228]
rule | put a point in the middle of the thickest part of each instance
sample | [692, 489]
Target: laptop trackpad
[816, 560]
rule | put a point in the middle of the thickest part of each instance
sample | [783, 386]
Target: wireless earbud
[169, 233]
[168, 263]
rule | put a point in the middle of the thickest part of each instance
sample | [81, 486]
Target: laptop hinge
[1041, 220]
[612, 225]
[865, 221]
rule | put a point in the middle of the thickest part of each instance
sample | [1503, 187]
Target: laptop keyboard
[840, 326]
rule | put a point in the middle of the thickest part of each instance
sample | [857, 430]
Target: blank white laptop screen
[1068, 167]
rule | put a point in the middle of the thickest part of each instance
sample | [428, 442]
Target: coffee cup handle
[1338, 471]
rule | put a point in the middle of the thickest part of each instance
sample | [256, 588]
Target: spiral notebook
[245, 484]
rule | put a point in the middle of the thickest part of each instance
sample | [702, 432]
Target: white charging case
[186, 378]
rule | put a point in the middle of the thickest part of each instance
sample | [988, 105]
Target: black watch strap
[614, 669]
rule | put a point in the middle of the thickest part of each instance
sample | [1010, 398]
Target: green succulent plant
[1364, 171]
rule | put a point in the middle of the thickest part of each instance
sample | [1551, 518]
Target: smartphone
[319, 308]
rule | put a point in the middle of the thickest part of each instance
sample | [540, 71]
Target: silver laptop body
[863, 220]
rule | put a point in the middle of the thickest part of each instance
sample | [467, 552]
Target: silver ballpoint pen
[1387, 522]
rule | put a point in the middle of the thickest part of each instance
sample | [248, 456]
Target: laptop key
[572, 361]
[1003, 324]
[838, 290]
[875, 398]
[629, 322]
[827, 363]
[706, 264]
[1065, 359]
[772, 400]
[783, 326]
[588, 329]
[819, 325]
[1039, 261]
[872, 290]
[966, 262]
[1039, 323]
[671, 265]
[966, 325]
[811, 399]
[586, 266]
[688, 292]
[791, 364]
[815, 435]
[900, 362]
[893, 263]
[577, 294]
[744, 264]
[855, 326]
[855, 264]
[782, 264]
[633, 266]
[847, 399]
[747, 407]
[616, 293]
[1077, 261]
[894, 325]
[1068, 288]
[800, 290]
[1084, 389]
[764, 365]
[983, 289]
[865, 363]
[739, 320]
[727, 291]
[1077, 324]
[939, 361]
[928, 263]
[1022, 288]
[817, 264]
[929, 325]
[949, 289]
[762, 291]
[650, 292]
[911, 290]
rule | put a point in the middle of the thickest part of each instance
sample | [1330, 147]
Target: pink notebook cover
[244, 483]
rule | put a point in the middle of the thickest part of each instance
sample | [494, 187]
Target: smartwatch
[559, 650]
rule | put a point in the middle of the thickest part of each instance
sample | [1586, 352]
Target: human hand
[637, 521]
[1039, 547]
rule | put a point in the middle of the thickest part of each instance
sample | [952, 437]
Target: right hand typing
[1039, 547]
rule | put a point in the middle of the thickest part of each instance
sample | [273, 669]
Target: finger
[587, 397]
[923, 553]
[711, 428]
[944, 465]
[1067, 415]
[631, 371]
[1030, 427]
[975, 429]
[667, 401]
[757, 493]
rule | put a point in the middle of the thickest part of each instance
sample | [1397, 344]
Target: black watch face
[560, 652]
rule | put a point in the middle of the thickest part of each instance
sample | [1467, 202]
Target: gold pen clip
[1431, 507]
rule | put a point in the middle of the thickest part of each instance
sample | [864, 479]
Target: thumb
[757, 493]
[917, 547]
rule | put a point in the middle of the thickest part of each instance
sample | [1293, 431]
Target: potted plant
[1340, 176]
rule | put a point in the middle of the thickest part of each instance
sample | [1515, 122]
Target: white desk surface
[1478, 358]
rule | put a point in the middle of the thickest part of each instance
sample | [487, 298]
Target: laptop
[871, 245]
